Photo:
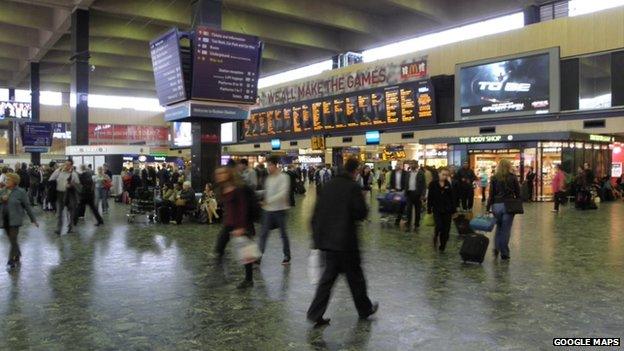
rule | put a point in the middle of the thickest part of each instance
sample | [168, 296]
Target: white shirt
[61, 178]
[412, 181]
[276, 192]
[397, 180]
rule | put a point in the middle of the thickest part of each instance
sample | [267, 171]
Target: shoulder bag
[513, 205]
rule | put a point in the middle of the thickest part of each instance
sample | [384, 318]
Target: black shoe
[506, 258]
[245, 284]
[99, 224]
[321, 323]
[286, 261]
[373, 310]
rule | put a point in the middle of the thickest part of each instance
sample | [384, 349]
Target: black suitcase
[164, 215]
[463, 225]
[474, 248]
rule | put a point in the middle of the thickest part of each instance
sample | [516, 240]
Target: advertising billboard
[508, 86]
[182, 135]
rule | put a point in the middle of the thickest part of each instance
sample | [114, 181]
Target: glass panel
[595, 82]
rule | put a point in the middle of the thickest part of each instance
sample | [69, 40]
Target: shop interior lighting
[583, 7]
[453, 35]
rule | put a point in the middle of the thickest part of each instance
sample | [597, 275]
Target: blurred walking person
[335, 233]
[66, 194]
[236, 217]
[275, 205]
[441, 203]
[558, 187]
[13, 203]
[504, 187]
[87, 196]
[102, 186]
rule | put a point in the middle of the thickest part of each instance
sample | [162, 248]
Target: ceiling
[295, 32]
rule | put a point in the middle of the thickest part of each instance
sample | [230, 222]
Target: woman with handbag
[441, 202]
[504, 202]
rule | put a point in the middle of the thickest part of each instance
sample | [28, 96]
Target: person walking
[398, 183]
[102, 186]
[275, 205]
[66, 194]
[13, 203]
[335, 233]
[483, 183]
[87, 196]
[236, 217]
[415, 191]
[466, 178]
[504, 186]
[558, 187]
[530, 182]
[441, 203]
[247, 174]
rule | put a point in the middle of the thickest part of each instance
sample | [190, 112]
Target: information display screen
[512, 86]
[36, 134]
[393, 107]
[182, 134]
[167, 66]
[225, 66]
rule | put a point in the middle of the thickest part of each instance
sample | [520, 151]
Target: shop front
[538, 151]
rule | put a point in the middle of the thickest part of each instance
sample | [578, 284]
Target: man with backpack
[275, 204]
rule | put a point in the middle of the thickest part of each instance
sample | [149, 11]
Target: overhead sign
[485, 139]
[94, 150]
[215, 110]
[225, 66]
[36, 134]
[349, 79]
[167, 65]
[601, 138]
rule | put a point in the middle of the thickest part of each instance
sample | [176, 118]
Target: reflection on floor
[155, 287]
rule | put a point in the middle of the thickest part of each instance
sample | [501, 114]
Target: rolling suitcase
[474, 248]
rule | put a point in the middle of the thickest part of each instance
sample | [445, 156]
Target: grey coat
[16, 205]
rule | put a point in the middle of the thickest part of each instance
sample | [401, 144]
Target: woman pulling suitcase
[441, 202]
[504, 202]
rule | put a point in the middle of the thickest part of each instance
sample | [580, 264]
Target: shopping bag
[247, 250]
[483, 223]
[316, 264]
[428, 220]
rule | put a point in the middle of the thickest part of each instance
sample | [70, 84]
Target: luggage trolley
[143, 205]
[390, 205]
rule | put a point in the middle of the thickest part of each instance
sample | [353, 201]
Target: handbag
[428, 220]
[246, 250]
[483, 223]
[513, 205]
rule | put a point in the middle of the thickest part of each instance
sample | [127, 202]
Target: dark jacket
[87, 187]
[441, 199]
[509, 188]
[420, 181]
[403, 184]
[337, 210]
[15, 207]
[466, 177]
[24, 178]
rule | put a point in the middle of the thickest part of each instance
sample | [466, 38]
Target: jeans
[504, 221]
[274, 220]
[102, 195]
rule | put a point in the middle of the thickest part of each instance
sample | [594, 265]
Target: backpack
[254, 211]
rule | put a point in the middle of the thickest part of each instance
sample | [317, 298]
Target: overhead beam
[8, 64]
[124, 47]
[27, 15]
[104, 60]
[13, 51]
[164, 12]
[20, 36]
[437, 11]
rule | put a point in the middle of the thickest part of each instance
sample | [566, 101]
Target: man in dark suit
[398, 182]
[415, 192]
[335, 233]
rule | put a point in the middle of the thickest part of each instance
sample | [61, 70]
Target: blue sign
[373, 137]
[36, 149]
[36, 134]
[276, 144]
[202, 110]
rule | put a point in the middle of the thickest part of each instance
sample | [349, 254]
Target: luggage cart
[143, 205]
[390, 205]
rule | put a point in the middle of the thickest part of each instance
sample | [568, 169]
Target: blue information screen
[37, 134]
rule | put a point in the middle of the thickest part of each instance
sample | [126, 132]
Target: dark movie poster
[507, 86]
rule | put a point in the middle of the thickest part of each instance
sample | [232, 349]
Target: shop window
[595, 82]
[4, 141]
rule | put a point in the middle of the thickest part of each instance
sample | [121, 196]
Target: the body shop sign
[485, 139]
[348, 79]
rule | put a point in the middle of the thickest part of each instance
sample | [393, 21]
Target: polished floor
[155, 287]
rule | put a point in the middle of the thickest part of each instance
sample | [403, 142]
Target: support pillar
[79, 102]
[206, 148]
[35, 157]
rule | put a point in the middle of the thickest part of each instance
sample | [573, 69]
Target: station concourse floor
[157, 287]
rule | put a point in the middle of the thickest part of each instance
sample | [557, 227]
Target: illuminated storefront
[540, 151]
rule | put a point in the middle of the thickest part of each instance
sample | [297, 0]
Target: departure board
[278, 121]
[270, 122]
[287, 120]
[317, 124]
[364, 110]
[296, 118]
[350, 105]
[167, 66]
[393, 107]
[378, 107]
[407, 104]
[339, 113]
[225, 66]
[328, 115]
